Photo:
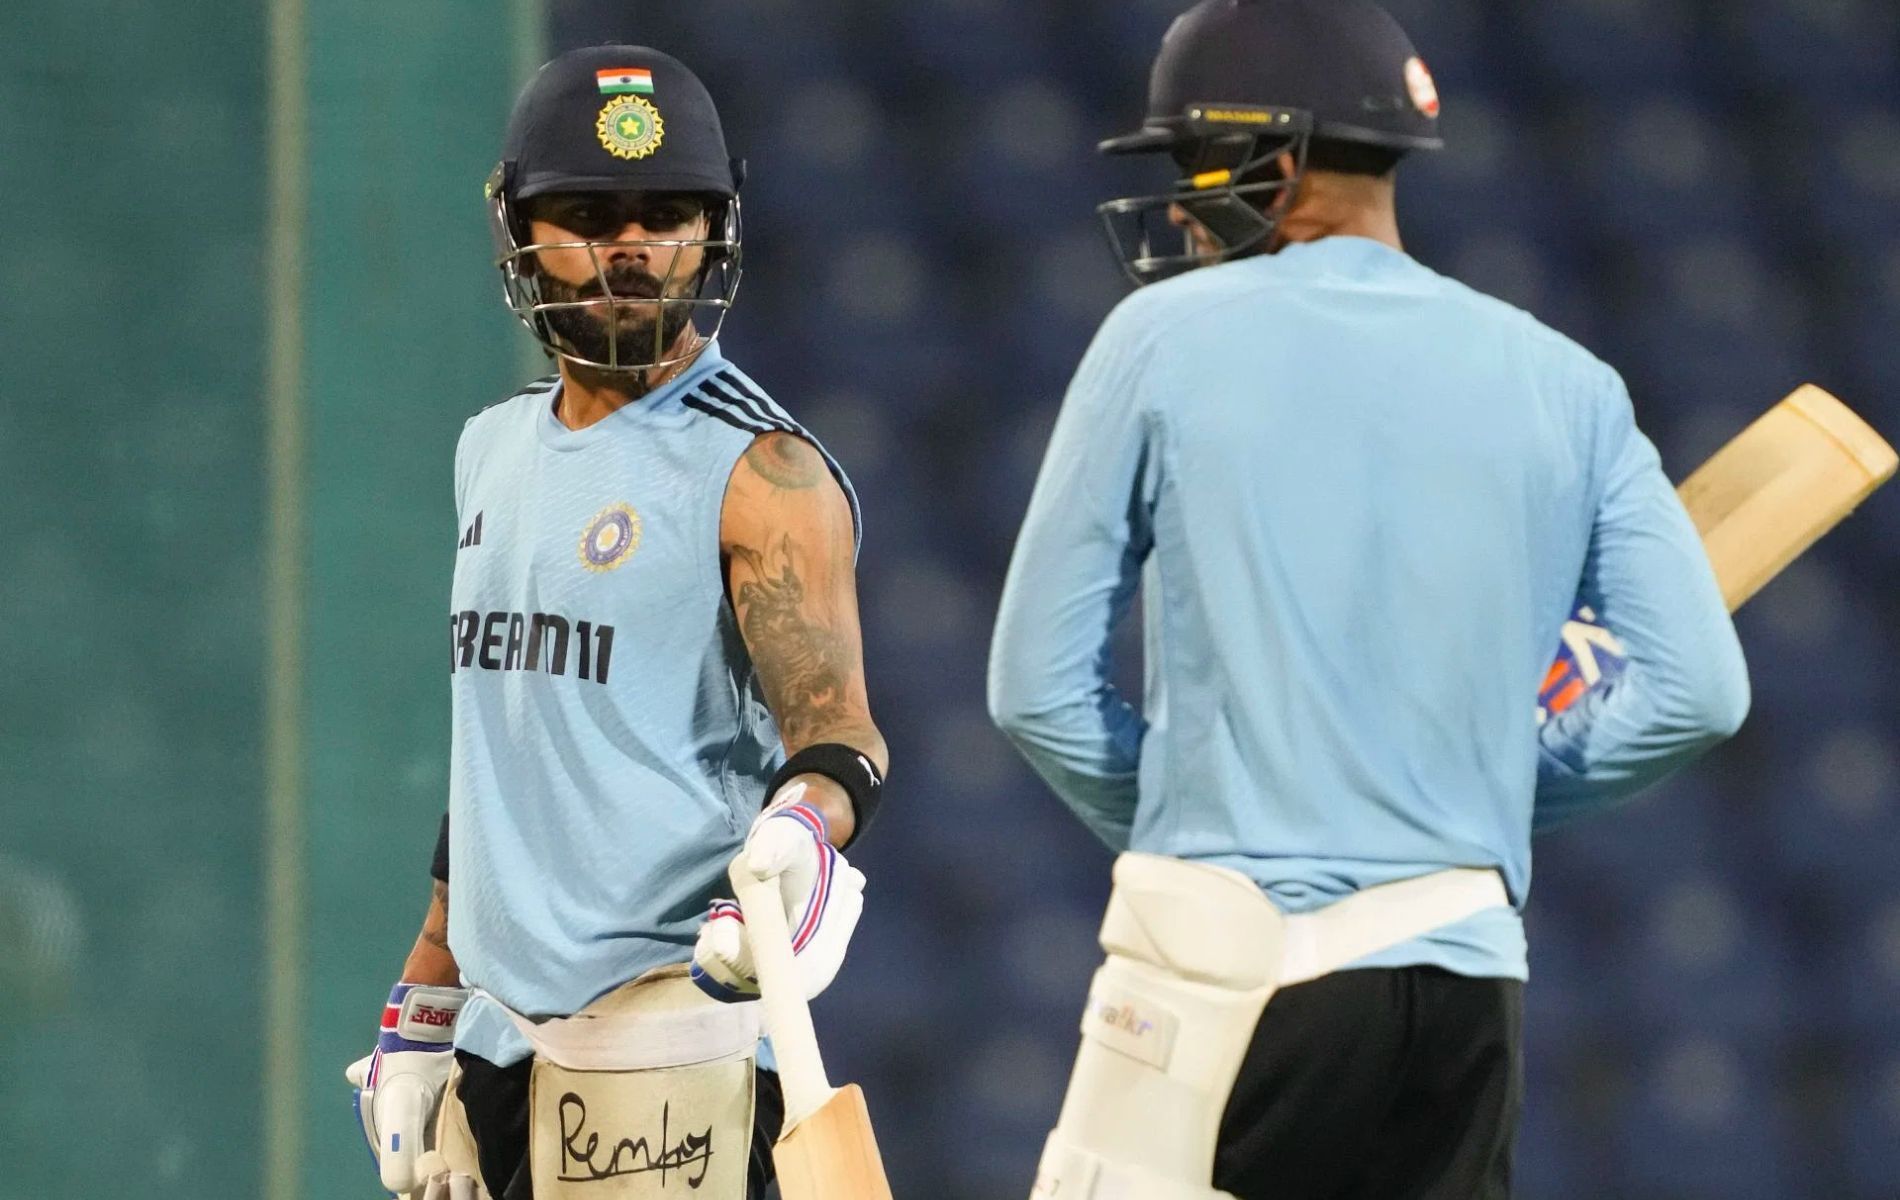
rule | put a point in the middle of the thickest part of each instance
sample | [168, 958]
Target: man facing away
[1360, 500]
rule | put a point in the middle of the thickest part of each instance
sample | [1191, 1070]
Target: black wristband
[439, 869]
[850, 769]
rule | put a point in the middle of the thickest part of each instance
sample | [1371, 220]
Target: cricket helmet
[1237, 84]
[617, 119]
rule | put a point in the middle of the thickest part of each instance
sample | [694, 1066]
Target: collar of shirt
[1342, 255]
[557, 436]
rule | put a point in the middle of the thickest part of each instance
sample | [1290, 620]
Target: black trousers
[1400, 1084]
[496, 1099]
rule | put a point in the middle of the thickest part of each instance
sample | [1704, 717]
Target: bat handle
[801, 1069]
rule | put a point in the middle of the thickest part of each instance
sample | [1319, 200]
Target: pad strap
[657, 1021]
[1380, 917]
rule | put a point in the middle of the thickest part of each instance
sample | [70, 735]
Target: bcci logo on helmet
[630, 127]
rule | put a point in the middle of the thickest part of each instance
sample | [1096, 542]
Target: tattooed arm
[430, 961]
[787, 543]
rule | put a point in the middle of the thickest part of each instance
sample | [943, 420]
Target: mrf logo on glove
[417, 1023]
[419, 1020]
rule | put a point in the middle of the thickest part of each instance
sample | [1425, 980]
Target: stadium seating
[1704, 192]
[1701, 1121]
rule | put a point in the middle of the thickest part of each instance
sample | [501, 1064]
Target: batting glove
[822, 893]
[399, 1086]
[1588, 656]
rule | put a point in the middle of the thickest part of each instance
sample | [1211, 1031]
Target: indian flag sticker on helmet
[630, 127]
[625, 79]
[1418, 81]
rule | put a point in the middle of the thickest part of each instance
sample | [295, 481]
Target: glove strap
[420, 1017]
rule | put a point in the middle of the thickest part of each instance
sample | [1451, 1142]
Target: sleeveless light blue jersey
[611, 743]
[1360, 500]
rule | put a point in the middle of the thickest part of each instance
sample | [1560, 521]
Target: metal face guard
[710, 298]
[1231, 180]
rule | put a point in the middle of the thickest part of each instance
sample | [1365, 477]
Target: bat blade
[832, 1154]
[827, 1151]
[1759, 502]
[1780, 484]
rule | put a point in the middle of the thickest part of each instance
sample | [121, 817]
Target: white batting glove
[822, 893]
[399, 1086]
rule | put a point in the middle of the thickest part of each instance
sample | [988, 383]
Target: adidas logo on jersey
[472, 536]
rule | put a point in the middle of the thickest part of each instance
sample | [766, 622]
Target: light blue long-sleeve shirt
[1360, 499]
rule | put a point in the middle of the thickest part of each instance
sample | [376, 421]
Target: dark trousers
[496, 1099]
[1401, 1084]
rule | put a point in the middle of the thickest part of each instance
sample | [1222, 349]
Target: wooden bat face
[832, 1154]
[1780, 484]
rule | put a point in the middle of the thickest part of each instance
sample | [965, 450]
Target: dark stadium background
[234, 227]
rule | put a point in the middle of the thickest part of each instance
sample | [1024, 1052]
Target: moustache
[627, 285]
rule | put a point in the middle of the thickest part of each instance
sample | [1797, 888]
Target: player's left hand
[399, 1085]
[822, 893]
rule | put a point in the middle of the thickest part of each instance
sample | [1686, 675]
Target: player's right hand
[823, 896]
[399, 1085]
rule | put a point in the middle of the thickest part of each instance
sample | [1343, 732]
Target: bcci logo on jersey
[611, 538]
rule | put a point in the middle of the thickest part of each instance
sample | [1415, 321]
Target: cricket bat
[1759, 502]
[1769, 494]
[827, 1150]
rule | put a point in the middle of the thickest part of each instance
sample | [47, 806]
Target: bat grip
[801, 1069]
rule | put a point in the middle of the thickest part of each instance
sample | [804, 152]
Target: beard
[640, 331]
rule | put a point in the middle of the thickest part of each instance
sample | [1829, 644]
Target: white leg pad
[646, 1092]
[1069, 1171]
[450, 1170]
[1193, 954]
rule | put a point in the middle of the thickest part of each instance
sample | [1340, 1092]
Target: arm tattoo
[786, 461]
[435, 932]
[805, 664]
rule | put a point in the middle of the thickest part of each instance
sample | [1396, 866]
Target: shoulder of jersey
[534, 392]
[1191, 293]
[1148, 313]
[728, 396]
[1519, 320]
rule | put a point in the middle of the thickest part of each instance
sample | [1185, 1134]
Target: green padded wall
[223, 722]
[130, 544]
[404, 338]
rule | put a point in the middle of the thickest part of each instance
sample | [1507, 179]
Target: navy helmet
[1239, 83]
[617, 119]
